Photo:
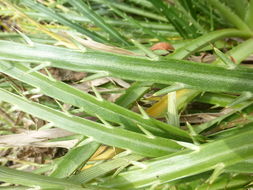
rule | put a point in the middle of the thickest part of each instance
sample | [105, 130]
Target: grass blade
[29, 179]
[239, 52]
[131, 20]
[103, 168]
[108, 111]
[208, 77]
[249, 15]
[39, 7]
[110, 136]
[204, 40]
[133, 93]
[137, 11]
[227, 181]
[245, 166]
[229, 15]
[228, 63]
[73, 160]
[227, 151]
[98, 21]
[176, 18]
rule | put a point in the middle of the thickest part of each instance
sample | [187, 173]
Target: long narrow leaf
[229, 15]
[239, 52]
[29, 179]
[227, 151]
[137, 11]
[85, 10]
[245, 166]
[228, 182]
[249, 15]
[176, 18]
[104, 168]
[207, 77]
[106, 110]
[73, 160]
[204, 40]
[111, 136]
[83, 19]
[133, 93]
[131, 20]
[196, 45]
[63, 20]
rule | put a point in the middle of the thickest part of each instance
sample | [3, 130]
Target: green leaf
[249, 15]
[217, 99]
[84, 20]
[39, 7]
[107, 110]
[239, 52]
[98, 20]
[202, 127]
[133, 93]
[104, 168]
[187, 8]
[145, 50]
[185, 28]
[246, 166]
[238, 7]
[171, 88]
[143, 3]
[229, 15]
[29, 179]
[227, 182]
[110, 136]
[228, 151]
[208, 77]
[242, 98]
[202, 41]
[70, 162]
[227, 61]
[137, 11]
[135, 23]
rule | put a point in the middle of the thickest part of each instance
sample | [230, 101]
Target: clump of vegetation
[133, 94]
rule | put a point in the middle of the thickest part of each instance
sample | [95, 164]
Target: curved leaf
[107, 110]
[227, 151]
[111, 136]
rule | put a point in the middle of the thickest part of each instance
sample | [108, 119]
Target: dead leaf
[162, 46]
[65, 75]
[37, 138]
